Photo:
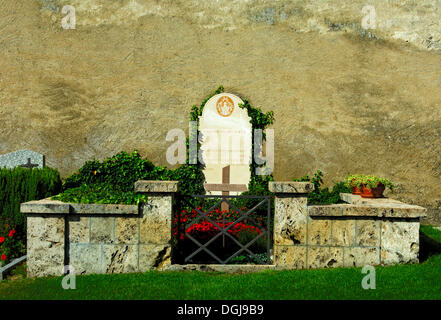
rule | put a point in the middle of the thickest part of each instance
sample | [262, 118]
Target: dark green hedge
[19, 185]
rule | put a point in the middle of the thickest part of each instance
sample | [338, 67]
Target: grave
[22, 158]
[225, 137]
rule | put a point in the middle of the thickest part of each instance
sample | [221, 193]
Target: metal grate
[223, 229]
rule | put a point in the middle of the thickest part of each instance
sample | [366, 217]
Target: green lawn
[422, 281]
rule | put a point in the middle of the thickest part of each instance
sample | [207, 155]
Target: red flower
[3, 257]
[11, 233]
[2, 239]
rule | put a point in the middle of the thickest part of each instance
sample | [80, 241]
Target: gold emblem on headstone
[225, 106]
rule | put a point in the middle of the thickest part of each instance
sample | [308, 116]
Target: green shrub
[100, 193]
[20, 185]
[121, 170]
[112, 180]
[324, 196]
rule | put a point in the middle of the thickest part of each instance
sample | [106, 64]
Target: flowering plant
[206, 230]
[6, 246]
[358, 180]
[11, 242]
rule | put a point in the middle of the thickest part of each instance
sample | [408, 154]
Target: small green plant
[250, 259]
[370, 181]
[323, 195]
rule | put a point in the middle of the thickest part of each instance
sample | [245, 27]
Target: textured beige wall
[343, 102]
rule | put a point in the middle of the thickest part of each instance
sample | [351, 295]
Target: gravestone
[225, 137]
[22, 158]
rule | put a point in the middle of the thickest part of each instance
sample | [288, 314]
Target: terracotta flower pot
[376, 192]
[356, 190]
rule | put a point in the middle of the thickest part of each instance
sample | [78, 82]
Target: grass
[431, 232]
[413, 281]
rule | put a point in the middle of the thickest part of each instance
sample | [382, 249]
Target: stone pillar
[290, 223]
[155, 238]
[45, 238]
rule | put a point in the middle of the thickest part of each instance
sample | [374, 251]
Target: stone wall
[96, 238]
[362, 232]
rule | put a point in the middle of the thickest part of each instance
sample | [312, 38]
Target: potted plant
[368, 186]
[353, 182]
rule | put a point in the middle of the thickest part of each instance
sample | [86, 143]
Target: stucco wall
[346, 100]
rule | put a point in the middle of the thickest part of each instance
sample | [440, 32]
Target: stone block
[85, 258]
[127, 230]
[290, 220]
[45, 246]
[102, 230]
[152, 186]
[360, 257]
[367, 233]
[79, 229]
[44, 206]
[332, 210]
[290, 187]
[385, 207]
[153, 256]
[402, 211]
[343, 232]
[86, 208]
[290, 257]
[325, 257]
[319, 231]
[155, 223]
[399, 241]
[118, 258]
[360, 211]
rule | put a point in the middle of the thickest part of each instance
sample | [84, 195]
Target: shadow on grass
[428, 247]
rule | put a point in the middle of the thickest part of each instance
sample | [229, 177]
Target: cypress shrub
[20, 185]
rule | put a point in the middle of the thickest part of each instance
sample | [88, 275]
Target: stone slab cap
[365, 207]
[290, 187]
[48, 206]
[81, 208]
[153, 186]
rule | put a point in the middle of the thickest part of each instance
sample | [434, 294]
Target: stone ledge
[290, 187]
[357, 199]
[81, 208]
[387, 207]
[229, 268]
[48, 206]
[153, 186]
[382, 208]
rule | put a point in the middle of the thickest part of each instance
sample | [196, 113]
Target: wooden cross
[29, 164]
[225, 187]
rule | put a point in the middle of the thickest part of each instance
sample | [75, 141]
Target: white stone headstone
[24, 158]
[225, 137]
